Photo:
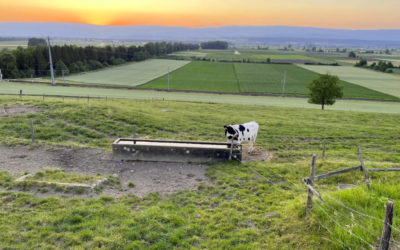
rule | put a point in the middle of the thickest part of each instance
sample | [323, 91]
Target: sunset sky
[347, 14]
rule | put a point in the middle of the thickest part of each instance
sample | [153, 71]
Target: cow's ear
[225, 126]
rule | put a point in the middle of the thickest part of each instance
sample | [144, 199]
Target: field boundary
[179, 91]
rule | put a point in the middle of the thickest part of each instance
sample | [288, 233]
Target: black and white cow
[243, 133]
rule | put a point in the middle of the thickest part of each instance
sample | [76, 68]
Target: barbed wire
[329, 231]
[361, 213]
[339, 225]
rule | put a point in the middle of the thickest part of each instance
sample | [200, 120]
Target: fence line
[361, 213]
[348, 230]
[330, 232]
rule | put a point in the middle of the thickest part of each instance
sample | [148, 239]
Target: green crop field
[382, 82]
[349, 105]
[200, 76]
[252, 205]
[130, 74]
[250, 77]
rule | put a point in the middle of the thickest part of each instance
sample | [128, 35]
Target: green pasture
[131, 74]
[382, 82]
[251, 78]
[234, 210]
[204, 76]
[348, 105]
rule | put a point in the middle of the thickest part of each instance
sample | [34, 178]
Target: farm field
[12, 44]
[132, 74]
[251, 78]
[200, 76]
[349, 105]
[257, 204]
[261, 55]
[382, 82]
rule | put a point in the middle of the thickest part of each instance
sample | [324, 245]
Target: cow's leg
[251, 145]
[253, 142]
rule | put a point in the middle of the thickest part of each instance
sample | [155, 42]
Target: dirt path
[18, 110]
[148, 177]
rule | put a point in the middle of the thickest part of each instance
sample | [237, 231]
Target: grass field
[261, 55]
[130, 74]
[12, 44]
[349, 105]
[251, 78]
[382, 82]
[232, 212]
[200, 76]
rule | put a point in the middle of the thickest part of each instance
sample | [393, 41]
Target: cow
[242, 133]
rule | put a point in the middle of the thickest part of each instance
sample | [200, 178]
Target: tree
[352, 54]
[61, 68]
[8, 65]
[361, 63]
[324, 90]
[36, 42]
[214, 45]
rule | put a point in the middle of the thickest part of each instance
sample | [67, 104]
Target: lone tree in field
[324, 90]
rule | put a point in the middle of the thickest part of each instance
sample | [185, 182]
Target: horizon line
[200, 27]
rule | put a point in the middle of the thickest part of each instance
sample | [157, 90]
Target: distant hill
[234, 34]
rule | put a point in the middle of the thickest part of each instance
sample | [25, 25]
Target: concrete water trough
[132, 149]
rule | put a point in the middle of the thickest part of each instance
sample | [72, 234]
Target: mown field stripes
[382, 82]
[131, 74]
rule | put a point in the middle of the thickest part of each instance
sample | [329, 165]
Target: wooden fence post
[20, 93]
[323, 151]
[363, 167]
[311, 182]
[387, 227]
[32, 131]
[134, 131]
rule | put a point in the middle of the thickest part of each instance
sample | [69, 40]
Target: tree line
[34, 60]
[382, 66]
[214, 45]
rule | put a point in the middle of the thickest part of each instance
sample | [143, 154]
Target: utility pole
[283, 83]
[51, 62]
[168, 79]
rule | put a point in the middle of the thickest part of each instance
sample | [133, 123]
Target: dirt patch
[18, 110]
[257, 155]
[148, 177]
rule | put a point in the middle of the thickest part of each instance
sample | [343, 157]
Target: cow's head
[231, 133]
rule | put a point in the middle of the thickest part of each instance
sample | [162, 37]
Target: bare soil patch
[257, 155]
[148, 177]
[18, 110]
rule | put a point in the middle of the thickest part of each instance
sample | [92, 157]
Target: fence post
[323, 151]
[20, 93]
[134, 131]
[32, 131]
[310, 193]
[387, 227]
[363, 166]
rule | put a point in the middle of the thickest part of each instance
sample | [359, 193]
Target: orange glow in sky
[348, 14]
